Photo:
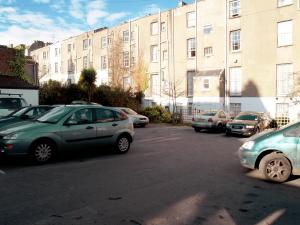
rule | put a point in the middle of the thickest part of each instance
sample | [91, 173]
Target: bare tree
[116, 67]
[295, 93]
[140, 75]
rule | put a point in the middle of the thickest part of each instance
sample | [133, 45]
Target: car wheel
[197, 129]
[219, 127]
[228, 133]
[43, 151]
[122, 145]
[275, 167]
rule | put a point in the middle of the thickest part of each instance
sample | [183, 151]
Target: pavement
[171, 176]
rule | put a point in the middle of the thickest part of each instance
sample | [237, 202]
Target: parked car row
[245, 123]
[42, 131]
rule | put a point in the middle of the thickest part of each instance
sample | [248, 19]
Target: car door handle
[114, 124]
[89, 127]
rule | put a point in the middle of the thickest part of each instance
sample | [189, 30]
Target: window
[126, 83]
[56, 51]
[132, 35]
[234, 8]
[235, 81]
[90, 42]
[206, 84]
[284, 79]
[85, 63]
[44, 55]
[235, 40]
[207, 29]
[191, 47]
[103, 62]
[155, 85]
[162, 74]
[56, 67]
[190, 108]
[44, 70]
[69, 47]
[125, 36]
[132, 55]
[83, 116]
[191, 19]
[165, 55]
[70, 65]
[154, 28]
[154, 53]
[109, 39]
[235, 108]
[285, 33]
[208, 51]
[190, 83]
[104, 116]
[103, 42]
[85, 44]
[282, 109]
[126, 59]
[163, 26]
[284, 2]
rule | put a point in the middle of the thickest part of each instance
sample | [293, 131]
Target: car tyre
[42, 152]
[219, 127]
[227, 133]
[275, 167]
[197, 129]
[122, 145]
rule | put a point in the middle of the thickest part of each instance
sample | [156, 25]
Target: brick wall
[6, 56]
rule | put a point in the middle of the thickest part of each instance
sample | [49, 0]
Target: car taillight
[210, 120]
[123, 116]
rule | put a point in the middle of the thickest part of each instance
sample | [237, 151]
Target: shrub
[157, 114]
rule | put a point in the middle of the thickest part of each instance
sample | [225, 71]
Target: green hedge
[157, 114]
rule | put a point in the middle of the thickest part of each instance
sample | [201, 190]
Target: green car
[274, 152]
[68, 127]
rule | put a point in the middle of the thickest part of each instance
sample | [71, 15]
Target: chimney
[181, 3]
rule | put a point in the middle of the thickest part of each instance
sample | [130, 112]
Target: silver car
[137, 119]
[212, 120]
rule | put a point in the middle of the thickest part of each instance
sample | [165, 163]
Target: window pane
[285, 33]
[190, 83]
[191, 19]
[235, 81]
[284, 2]
[284, 79]
[155, 84]
[104, 115]
[234, 8]
[235, 40]
[191, 47]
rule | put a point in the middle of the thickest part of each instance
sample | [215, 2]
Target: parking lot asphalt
[171, 176]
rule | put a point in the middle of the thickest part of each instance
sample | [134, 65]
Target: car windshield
[54, 115]
[208, 113]
[10, 103]
[18, 112]
[129, 111]
[246, 117]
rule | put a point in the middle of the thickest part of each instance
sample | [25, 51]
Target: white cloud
[77, 9]
[30, 19]
[94, 16]
[7, 2]
[150, 9]
[7, 10]
[59, 6]
[42, 1]
[18, 35]
[116, 16]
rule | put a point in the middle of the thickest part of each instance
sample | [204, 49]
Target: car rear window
[10, 103]
[208, 113]
[246, 117]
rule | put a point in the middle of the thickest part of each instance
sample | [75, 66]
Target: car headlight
[249, 126]
[11, 136]
[248, 145]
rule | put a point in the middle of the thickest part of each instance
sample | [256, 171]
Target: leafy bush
[157, 114]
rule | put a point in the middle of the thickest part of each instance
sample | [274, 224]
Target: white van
[10, 102]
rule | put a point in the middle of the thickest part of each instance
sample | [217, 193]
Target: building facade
[228, 54]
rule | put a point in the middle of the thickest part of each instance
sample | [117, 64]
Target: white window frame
[154, 53]
[285, 33]
[191, 48]
[208, 51]
[69, 47]
[165, 55]
[163, 26]
[85, 44]
[284, 79]
[85, 62]
[126, 82]
[126, 59]
[235, 88]
[281, 3]
[190, 83]
[282, 109]
[125, 36]
[104, 42]
[204, 79]
[44, 55]
[191, 19]
[155, 84]
[235, 108]
[103, 62]
[154, 29]
[207, 29]
[234, 8]
[56, 67]
[235, 40]
[132, 35]
[56, 51]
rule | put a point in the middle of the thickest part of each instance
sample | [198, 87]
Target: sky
[23, 21]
